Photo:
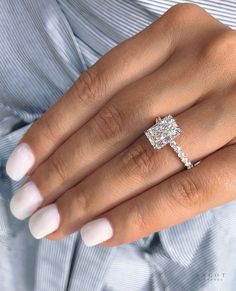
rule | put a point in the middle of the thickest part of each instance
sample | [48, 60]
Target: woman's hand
[91, 167]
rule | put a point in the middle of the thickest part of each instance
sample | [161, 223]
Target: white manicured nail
[44, 221]
[20, 161]
[96, 231]
[25, 201]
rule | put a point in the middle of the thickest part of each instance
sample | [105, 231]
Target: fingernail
[25, 201]
[20, 161]
[96, 231]
[44, 221]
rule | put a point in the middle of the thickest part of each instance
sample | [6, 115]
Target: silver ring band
[184, 159]
[164, 132]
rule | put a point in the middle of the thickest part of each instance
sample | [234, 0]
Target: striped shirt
[45, 45]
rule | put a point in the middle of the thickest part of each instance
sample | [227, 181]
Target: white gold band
[184, 159]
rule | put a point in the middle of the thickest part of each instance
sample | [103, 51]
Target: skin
[92, 158]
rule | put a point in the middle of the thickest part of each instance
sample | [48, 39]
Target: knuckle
[178, 20]
[186, 191]
[45, 125]
[89, 86]
[109, 123]
[82, 205]
[137, 219]
[57, 167]
[182, 8]
[140, 160]
[183, 11]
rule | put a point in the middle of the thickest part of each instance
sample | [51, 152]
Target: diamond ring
[164, 132]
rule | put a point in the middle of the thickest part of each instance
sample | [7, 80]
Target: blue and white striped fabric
[44, 46]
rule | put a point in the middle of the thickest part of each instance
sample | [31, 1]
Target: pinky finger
[173, 201]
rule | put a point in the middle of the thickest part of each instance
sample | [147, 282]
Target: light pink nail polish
[44, 221]
[20, 162]
[96, 231]
[25, 200]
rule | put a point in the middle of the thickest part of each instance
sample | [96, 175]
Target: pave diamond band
[164, 132]
[184, 159]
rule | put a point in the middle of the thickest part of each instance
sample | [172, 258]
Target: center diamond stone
[163, 132]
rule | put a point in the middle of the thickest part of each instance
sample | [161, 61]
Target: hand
[89, 165]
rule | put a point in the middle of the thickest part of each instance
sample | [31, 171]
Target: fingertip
[45, 221]
[25, 201]
[96, 232]
[20, 162]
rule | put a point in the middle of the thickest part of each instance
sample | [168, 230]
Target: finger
[124, 64]
[173, 201]
[117, 125]
[139, 168]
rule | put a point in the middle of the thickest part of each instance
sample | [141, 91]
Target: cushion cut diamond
[163, 132]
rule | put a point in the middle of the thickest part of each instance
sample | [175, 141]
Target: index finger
[124, 64]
